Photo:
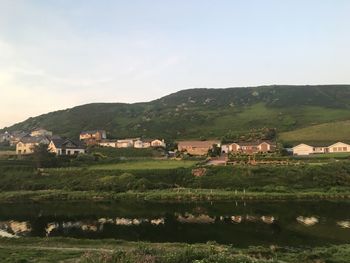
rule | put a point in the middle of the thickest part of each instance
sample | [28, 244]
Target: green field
[327, 132]
[145, 165]
[112, 251]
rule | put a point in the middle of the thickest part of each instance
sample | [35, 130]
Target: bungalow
[339, 147]
[27, 144]
[66, 147]
[197, 147]
[40, 132]
[252, 147]
[96, 135]
[147, 143]
[158, 143]
[108, 143]
[303, 149]
[125, 143]
[138, 144]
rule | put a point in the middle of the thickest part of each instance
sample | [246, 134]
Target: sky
[56, 54]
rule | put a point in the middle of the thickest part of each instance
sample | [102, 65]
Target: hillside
[326, 132]
[205, 113]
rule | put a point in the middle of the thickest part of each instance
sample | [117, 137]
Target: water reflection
[344, 224]
[14, 228]
[254, 223]
[307, 221]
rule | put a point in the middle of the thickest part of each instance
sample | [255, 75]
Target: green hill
[326, 132]
[205, 113]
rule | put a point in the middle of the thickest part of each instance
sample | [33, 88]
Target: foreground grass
[169, 195]
[77, 250]
[145, 165]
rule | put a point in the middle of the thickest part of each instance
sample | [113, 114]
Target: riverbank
[168, 195]
[78, 250]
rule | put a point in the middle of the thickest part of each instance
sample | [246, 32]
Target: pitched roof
[30, 139]
[67, 143]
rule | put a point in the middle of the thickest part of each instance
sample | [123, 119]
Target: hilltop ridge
[205, 113]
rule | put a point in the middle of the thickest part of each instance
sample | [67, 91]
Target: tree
[42, 157]
[214, 151]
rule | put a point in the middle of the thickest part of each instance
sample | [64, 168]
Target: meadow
[108, 251]
[148, 164]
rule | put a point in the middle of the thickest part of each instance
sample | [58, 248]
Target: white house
[126, 143]
[158, 143]
[108, 143]
[303, 149]
[66, 147]
[138, 144]
[339, 147]
[225, 148]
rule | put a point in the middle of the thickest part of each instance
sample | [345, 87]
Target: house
[252, 147]
[40, 132]
[61, 146]
[5, 137]
[27, 144]
[108, 143]
[197, 147]
[158, 143]
[16, 136]
[303, 149]
[225, 148]
[138, 144]
[94, 135]
[339, 147]
[125, 143]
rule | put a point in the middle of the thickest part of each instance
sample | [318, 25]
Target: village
[26, 142]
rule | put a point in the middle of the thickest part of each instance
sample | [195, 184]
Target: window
[335, 149]
[345, 149]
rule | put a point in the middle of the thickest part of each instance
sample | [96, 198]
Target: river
[242, 224]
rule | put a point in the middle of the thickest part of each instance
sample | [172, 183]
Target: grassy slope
[326, 132]
[145, 165]
[209, 113]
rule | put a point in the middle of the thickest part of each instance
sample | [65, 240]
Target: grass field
[327, 133]
[145, 165]
[108, 251]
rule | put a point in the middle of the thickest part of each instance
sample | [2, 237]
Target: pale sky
[56, 54]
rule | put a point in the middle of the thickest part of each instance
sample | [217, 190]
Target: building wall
[303, 149]
[108, 144]
[25, 148]
[339, 147]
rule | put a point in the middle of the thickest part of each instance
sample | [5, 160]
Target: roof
[67, 144]
[30, 139]
[198, 144]
[322, 144]
[92, 131]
